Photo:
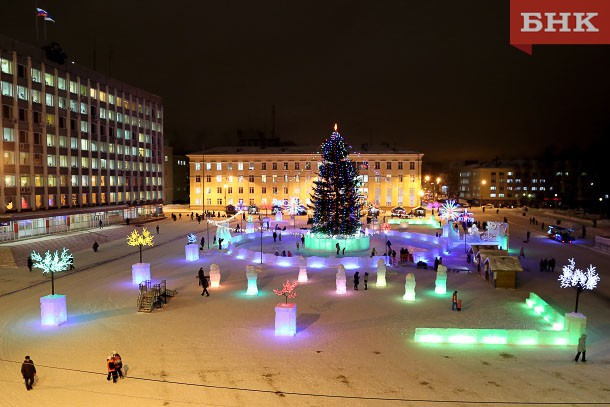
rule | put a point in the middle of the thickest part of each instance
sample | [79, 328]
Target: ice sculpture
[409, 287]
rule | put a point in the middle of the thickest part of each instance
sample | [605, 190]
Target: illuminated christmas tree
[287, 290]
[335, 192]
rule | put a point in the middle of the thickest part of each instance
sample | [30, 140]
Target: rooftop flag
[50, 18]
[41, 13]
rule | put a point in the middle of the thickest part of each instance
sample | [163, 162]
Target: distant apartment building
[77, 146]
[246, 175]
[176, 177]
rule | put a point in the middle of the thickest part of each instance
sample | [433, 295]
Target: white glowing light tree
[53, 310]
[581, 280]
[53, 263]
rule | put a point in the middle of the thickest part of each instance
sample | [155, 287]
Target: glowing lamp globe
[441, 280]
[302, 275]
[53, 311]
[192, 252]
[140, 272]
[252, 277]
[285, 319]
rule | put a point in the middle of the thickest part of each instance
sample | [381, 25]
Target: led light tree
[285, 313]
[53, 309]
[335, 192]
[140, 271]
[581, 280]
[140, 240]
[191, 250]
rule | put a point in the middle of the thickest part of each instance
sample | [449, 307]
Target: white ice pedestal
[285, 319]
[53, 310]
[250, 227]
[441, 280]
[302, 275]
[381, 269]
[140, 272]
[278, 216]
[576, 325]
[252, 276]
[192, 252]
[214, 276]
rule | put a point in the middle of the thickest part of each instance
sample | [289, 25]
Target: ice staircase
[153, 296]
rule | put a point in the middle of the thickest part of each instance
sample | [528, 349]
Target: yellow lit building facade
[243, 176]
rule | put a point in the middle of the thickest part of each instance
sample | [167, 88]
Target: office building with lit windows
[283, 176]
[77, 146]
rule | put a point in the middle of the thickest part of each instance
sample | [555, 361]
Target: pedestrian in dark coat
[203, 282]
[303, 240]
[274, 236]
[356, 280]
[157, 229]
[202, 243]
[454, 301]
[220, 243]
[95, 246]
[582, 348]
[551, 265]
[30, 263]
[28, 371]
[366, 280]
[338, 248]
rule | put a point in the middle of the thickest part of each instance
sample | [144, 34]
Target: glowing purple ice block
[140, 272]
[53, 310]
[192, 252]
[302, 274]
[285, 319]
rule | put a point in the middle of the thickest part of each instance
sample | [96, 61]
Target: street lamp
[483, 182]
[226, 187]
[438, 182]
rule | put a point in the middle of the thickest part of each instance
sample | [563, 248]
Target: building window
[389, 165]
[400, 165]
[296, 166]
[197, 166]
[274, 166]
[240, 166]
[377, 165]
[263, 190]
[208, 178]
[219, 190]
[263, 166]
[412, 165]
[308, 165]
[218, 166]
[263, 178]
[240, 190]
[274, 190]
[251, 190]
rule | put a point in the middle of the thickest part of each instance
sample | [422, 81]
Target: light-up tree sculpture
[140, 240]
[191, 250]
[449, 211]
[581, 280]
[140, 271]
[335, 193]
[53, 309]
[52, 263]
[285, 313]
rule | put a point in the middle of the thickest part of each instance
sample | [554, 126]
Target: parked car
[253, 210]
[488, 206]
[560, 234]
[230, 210]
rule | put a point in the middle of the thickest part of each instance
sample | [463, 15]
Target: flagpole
[36, 19]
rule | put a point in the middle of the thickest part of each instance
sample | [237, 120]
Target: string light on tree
[581, 280]
[287, 290]
[137, 239]
[335, 192]
[449, 210]
[52, 263]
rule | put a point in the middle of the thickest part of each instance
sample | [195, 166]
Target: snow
[221, 350]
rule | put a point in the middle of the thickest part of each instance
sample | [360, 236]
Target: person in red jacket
[111, 369]
[454, 301]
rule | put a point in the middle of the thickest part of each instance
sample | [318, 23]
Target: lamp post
[260, 221]
[225, 201]
[436, 187]
[483, 183]
[203, 214]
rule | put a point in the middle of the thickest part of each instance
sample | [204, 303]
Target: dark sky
[437, 77]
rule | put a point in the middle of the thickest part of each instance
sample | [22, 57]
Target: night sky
[438, 77]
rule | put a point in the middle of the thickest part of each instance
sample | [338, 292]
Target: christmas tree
[335, 193]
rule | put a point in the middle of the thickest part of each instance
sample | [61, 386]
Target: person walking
[366, 280]
[157, 229]
[101, 224]
[522, 252]
[454, 301]
[356, 280]
[203, 282]
[28, 371]
[551, 265]
[303, 240]
[274, 236]
[582, 348]
[297, 245]
[202, 243]
[373, 252]
[111, 369]
[118, 363]
[220, 243]
[338, 248]
[95, 246]
[528, 237]
[30, 263]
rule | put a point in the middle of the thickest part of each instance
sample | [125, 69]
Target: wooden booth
[502, 270]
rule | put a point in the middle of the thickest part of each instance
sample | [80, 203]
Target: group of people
[547, 264]
[284, 253]
[357, 280]
[114, 364]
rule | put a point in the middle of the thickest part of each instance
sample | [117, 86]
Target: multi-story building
[243, 176]
[77, 146]
[176, 177]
